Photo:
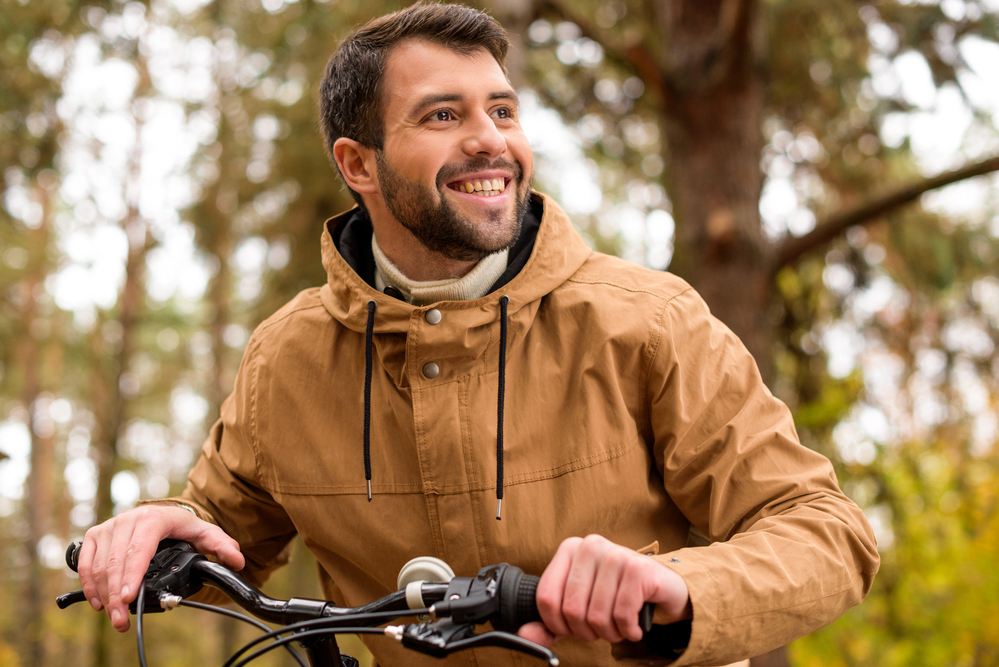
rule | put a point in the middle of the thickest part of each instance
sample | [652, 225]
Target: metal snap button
[433, 316]
[431, 370]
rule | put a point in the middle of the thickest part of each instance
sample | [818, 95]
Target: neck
[412, 258]
[418, 263]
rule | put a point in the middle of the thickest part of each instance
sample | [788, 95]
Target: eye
[503, 113]
[441, 115]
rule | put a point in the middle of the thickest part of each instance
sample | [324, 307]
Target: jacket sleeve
[223, 486]
[790, 552]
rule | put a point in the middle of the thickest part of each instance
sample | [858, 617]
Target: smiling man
[446, 182]
[469, 348]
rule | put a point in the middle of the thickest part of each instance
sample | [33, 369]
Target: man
[469, 349]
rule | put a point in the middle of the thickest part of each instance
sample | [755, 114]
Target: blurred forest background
[821, 171]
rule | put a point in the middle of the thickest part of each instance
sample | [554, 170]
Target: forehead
[416, 68]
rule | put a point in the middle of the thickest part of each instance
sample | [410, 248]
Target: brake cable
[318, 624]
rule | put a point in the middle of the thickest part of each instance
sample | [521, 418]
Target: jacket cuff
[704, 596]
[189, 505]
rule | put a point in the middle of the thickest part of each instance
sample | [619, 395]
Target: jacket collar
[558, 251]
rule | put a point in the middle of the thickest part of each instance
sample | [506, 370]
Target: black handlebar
[500, 594]
[508, 603]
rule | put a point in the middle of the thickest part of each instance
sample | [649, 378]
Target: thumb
[223, 547]
[209, 539]
[536, 632]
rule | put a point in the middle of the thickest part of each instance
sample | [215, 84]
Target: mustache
[452, 172]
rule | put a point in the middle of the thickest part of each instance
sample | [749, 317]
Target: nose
[483, 137]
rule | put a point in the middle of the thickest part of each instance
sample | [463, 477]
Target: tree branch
[634, 53]
[793, 248]
[727, 45]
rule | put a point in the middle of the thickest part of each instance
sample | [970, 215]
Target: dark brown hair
[350, 93]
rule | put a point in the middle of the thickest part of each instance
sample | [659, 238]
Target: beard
[431, 218]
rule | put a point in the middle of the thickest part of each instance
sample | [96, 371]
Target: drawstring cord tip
[369, 490]
[499, 508]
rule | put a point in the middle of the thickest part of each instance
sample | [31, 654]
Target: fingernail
[115, 615]
[95, 603]
[124, 592]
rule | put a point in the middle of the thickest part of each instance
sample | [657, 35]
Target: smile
[486, 187]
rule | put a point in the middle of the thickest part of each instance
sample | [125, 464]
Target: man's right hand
[115, 554]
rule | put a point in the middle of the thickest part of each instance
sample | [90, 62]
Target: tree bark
[219, 385]
[713, 117]
[38, 492]
[713, 140]
[109, 401]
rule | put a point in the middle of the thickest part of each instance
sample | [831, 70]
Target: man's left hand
[595, 589]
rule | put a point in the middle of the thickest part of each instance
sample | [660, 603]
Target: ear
[357, 165]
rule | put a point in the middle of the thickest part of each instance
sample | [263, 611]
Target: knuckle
[623, 617]
[598, 621]
[113, 563]
[593, 543]
[547, 602]
[570, 544]
[617, 557]
[94, 533]
[574, 611]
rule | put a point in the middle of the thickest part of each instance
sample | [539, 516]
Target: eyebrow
[437, 98]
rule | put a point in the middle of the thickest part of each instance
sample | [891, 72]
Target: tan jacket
[630, 412]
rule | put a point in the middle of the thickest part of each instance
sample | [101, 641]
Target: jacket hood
[558, 253]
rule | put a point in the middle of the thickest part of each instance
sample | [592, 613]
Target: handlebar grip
[517, 600]
[73, 555]
[519, 606]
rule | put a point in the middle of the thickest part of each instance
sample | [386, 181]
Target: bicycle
[447, 611]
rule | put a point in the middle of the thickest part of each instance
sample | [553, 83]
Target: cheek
[522, 152]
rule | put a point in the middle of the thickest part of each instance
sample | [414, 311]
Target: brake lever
[442, 637]
[170, 573]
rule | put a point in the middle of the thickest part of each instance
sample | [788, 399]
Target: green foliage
[936, 598]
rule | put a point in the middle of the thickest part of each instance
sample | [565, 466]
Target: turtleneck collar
[474, 284]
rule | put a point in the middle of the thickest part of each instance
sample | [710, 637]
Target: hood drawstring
[368, 333]
[504, 300]
[501, 395]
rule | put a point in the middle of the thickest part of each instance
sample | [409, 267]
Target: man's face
[451, 123]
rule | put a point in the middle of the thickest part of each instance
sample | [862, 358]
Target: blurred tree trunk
[713, 112]
[218, 240]
[219, 384]
[713, 115]
[110, 402]
[38, 496]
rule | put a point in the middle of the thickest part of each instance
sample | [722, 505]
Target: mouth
[482, 187]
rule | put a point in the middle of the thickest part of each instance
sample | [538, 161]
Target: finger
[117, 558]
[579, 586]
[537, 633]
[207, 538]
[551, 587]
[671, 595]
[99, 572]
[637, 583]
[603, 598]
[84, 568]
[141, 547]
